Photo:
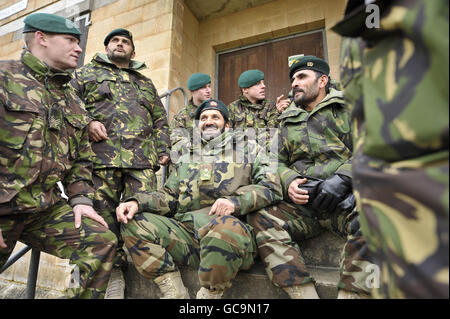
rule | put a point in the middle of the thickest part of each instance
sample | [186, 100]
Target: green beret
[50, 23]
[309, 62]
[122, 32]
[212, 104]
[250, 78]
[197, 81]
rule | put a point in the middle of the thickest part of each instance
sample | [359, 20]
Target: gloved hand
[348, 204]
[331, 192]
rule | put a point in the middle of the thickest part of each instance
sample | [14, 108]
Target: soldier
[315, 155]
[252, 109]
[209, 193]
[396, 79]
[129, 133]
[199, 84]
[44, 140]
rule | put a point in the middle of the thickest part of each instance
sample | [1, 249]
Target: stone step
[321, 254]
[252, 284]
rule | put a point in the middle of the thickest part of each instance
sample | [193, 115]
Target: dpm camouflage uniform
[43, 140]
[396, 78]
[218, 246]
[313, 144]
[127, 104]
[244, 114]
[183, 123]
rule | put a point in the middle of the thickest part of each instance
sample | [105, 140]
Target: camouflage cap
[197, 81]
[309, 62]
[212, 104]
[50, 23]
[250, 78]
[121, 32]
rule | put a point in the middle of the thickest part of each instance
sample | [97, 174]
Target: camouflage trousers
[111, 185]
[90, 248]
[278, 230]
[219, 249]
[404, 216]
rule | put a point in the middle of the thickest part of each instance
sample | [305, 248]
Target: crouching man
[213, 187]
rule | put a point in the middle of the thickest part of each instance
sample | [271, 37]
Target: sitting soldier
[211, 189]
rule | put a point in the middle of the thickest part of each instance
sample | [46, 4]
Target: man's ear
[323, 81]
[40, 38]
[133, 55]
[227, 125]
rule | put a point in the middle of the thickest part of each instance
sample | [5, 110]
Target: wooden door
[271, 58]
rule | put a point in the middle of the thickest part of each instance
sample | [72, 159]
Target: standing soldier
[183, 123]
[396, 79]
[44, 140]
[252, 109]
[315, 171]
[129, 133]
[208, 194]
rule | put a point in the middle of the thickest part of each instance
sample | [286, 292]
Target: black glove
[348, 204]
[312, 187]
[331, 192]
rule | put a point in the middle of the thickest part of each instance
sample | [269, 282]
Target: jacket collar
[42, 72]
[134, 65]
[334, 96]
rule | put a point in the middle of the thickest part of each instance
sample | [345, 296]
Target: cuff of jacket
[237, 205]
[81, 200]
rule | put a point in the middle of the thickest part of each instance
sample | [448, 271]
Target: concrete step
[321, 255]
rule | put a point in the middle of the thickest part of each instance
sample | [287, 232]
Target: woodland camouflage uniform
[218, 246]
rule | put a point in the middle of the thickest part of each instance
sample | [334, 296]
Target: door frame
[297, 35]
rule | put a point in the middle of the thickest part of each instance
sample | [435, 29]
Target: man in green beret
[44, 140]
[396, 79]
[205, 199]
[129, 132]
[252, 109]
[182, 125]
[315, 152]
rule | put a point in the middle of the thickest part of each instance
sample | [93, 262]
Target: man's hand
[163, 160]
[2, 242]
[222, 207]
[298, 195]
[282, 104]
[331, 192]
[126, 211]
[97, 131]
[89, 212]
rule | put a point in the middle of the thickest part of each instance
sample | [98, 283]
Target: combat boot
[116, 285]
[205, 293]
[307, 291]
[171, 286]
[344, 294]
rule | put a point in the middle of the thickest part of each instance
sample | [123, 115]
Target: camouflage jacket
[43, 138]
[244, 114]
[316, 143]
[127, 103]
[182, 122]
[226, 167]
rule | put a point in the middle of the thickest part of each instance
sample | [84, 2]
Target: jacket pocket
[20, 147]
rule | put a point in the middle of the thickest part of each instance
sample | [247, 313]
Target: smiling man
[206, 200]
[43, 140]
[129, 132]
